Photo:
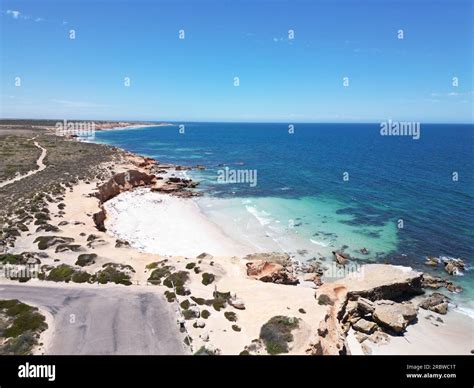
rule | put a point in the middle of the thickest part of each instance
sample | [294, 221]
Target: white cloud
[13, 14]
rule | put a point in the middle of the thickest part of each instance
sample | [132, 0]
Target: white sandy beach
[167, 225]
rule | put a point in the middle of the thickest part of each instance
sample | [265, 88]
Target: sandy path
[39, 163]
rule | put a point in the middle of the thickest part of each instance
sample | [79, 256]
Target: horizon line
[236, 122]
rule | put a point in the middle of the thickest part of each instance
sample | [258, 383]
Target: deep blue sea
[390, 181]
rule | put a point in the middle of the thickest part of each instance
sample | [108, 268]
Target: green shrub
[81, 277]
[198, 301]
[205, 314]
[276, 333]
[190, 265]
[203, 351]
[236, 328]
[110, 274]
[170, 296]
[190, 314]
[25, 318]
[178, 278]
[231, 316]
[207, 278]
[9, 258]
[61, 273]
[86, 259]
[185, 304]
[158, 274]
[324, 300]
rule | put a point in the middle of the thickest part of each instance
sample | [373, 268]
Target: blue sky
[284, 80]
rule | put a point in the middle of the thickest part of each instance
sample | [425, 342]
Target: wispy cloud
[18, 15]
[453, 94]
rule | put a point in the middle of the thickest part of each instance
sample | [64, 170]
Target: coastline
[177, 234]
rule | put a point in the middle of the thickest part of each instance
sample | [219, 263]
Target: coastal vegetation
[20, 326]
[276, 333]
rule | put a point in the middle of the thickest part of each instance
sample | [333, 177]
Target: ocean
[325, 187]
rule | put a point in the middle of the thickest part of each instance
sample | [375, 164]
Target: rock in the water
[394, 316]
[453, 266]
[432, 261]
[340, 257]
[436, 282]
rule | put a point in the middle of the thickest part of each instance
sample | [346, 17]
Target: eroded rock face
[383, 281]
[270, 272]
[362, 301]
[122, 182]
[331, 333]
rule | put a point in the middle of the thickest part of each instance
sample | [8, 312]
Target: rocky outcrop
[436, 302]
[122, 182]
[341, 258]
[99, 220]
[436, 282]
[364, 326]
[453, 266]
[394, 316]
[382, 281]
[331, 338]
[177, 187]
[432, 261]
[272, 257]
[271, 267]
[362, 301]
[270, 272]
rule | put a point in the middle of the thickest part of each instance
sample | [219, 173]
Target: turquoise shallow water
[301, 201]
